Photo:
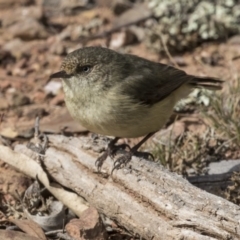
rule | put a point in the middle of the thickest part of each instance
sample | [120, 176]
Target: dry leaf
[15, 235]
[30, 227]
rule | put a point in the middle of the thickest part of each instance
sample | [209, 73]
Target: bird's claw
[111, 151]
[100, 160]
[122, 161]
[126, 157]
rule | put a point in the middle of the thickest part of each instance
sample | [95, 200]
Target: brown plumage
[123, 95]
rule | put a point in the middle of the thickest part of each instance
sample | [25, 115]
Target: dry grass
[232, 192]
[191, 153]
[224, 114]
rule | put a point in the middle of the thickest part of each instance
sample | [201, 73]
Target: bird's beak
[61, 74]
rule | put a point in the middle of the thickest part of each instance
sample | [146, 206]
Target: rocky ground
[35, 37]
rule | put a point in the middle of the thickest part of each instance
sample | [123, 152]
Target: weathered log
[145, 198]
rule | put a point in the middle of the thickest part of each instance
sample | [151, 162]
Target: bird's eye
[86, 69]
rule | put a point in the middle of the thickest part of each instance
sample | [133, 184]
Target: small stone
[9, 133]
[223, 167]
[122, 39]
[89, 227]
[53, 87]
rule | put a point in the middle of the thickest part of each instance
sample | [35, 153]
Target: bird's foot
[111, 152]
[126, 157]
[122, 160]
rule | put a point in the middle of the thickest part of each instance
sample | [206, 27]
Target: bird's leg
[127, 156]
[110, 151]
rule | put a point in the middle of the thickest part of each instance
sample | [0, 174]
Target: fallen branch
[145, 199]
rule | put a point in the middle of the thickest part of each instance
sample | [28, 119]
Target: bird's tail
[206, 82]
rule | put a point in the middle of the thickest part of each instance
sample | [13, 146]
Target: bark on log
[145, 198]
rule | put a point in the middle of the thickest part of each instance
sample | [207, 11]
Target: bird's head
[89, 66]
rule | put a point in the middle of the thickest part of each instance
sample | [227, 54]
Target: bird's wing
[152, 83]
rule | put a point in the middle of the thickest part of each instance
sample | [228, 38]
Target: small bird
[123, 95]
